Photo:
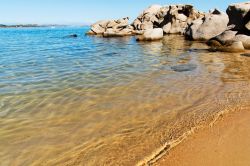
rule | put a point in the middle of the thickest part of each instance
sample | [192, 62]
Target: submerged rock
[211, 25]
[151, 35]
[184, 67]
[246, 54]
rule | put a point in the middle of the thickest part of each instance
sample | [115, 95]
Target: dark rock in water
[184, 68]
[72, 36]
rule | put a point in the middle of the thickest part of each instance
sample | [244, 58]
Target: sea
[93, 101]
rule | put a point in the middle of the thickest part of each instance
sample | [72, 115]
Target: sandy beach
[225, 143]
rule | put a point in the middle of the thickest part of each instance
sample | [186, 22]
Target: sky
[87, 11]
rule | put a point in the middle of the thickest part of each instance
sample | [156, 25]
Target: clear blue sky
[86, 11]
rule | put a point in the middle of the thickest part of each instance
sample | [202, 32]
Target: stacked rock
[172, 19]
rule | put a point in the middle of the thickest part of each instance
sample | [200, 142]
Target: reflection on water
[95, 101]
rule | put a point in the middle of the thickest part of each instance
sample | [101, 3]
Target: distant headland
[32, 25]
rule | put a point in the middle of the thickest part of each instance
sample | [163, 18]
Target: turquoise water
[107, 101]
[41, 58]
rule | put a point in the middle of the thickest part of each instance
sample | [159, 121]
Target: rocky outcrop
[112, 28]
[223, 31]
[239, 15]
[172, 19]
[151, 35]
[211, 25]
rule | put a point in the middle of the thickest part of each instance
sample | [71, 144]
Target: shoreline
[163, 152]
[226, 136]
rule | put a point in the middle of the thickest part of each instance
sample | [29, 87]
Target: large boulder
[147, 18]
[99, 27]
[211, 25]
[112, 32]
[226, 36]
[239, 15]
[153, 9]
[151, 35]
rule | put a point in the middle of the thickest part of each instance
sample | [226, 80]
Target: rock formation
[172, 19]
[228, 31]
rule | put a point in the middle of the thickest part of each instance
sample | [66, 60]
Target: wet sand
[227, 142]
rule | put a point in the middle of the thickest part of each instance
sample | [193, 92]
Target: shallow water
[97, 101]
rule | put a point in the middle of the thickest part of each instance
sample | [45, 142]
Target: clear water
[107, 101]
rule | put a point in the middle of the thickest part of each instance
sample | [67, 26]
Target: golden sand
[227, 143]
